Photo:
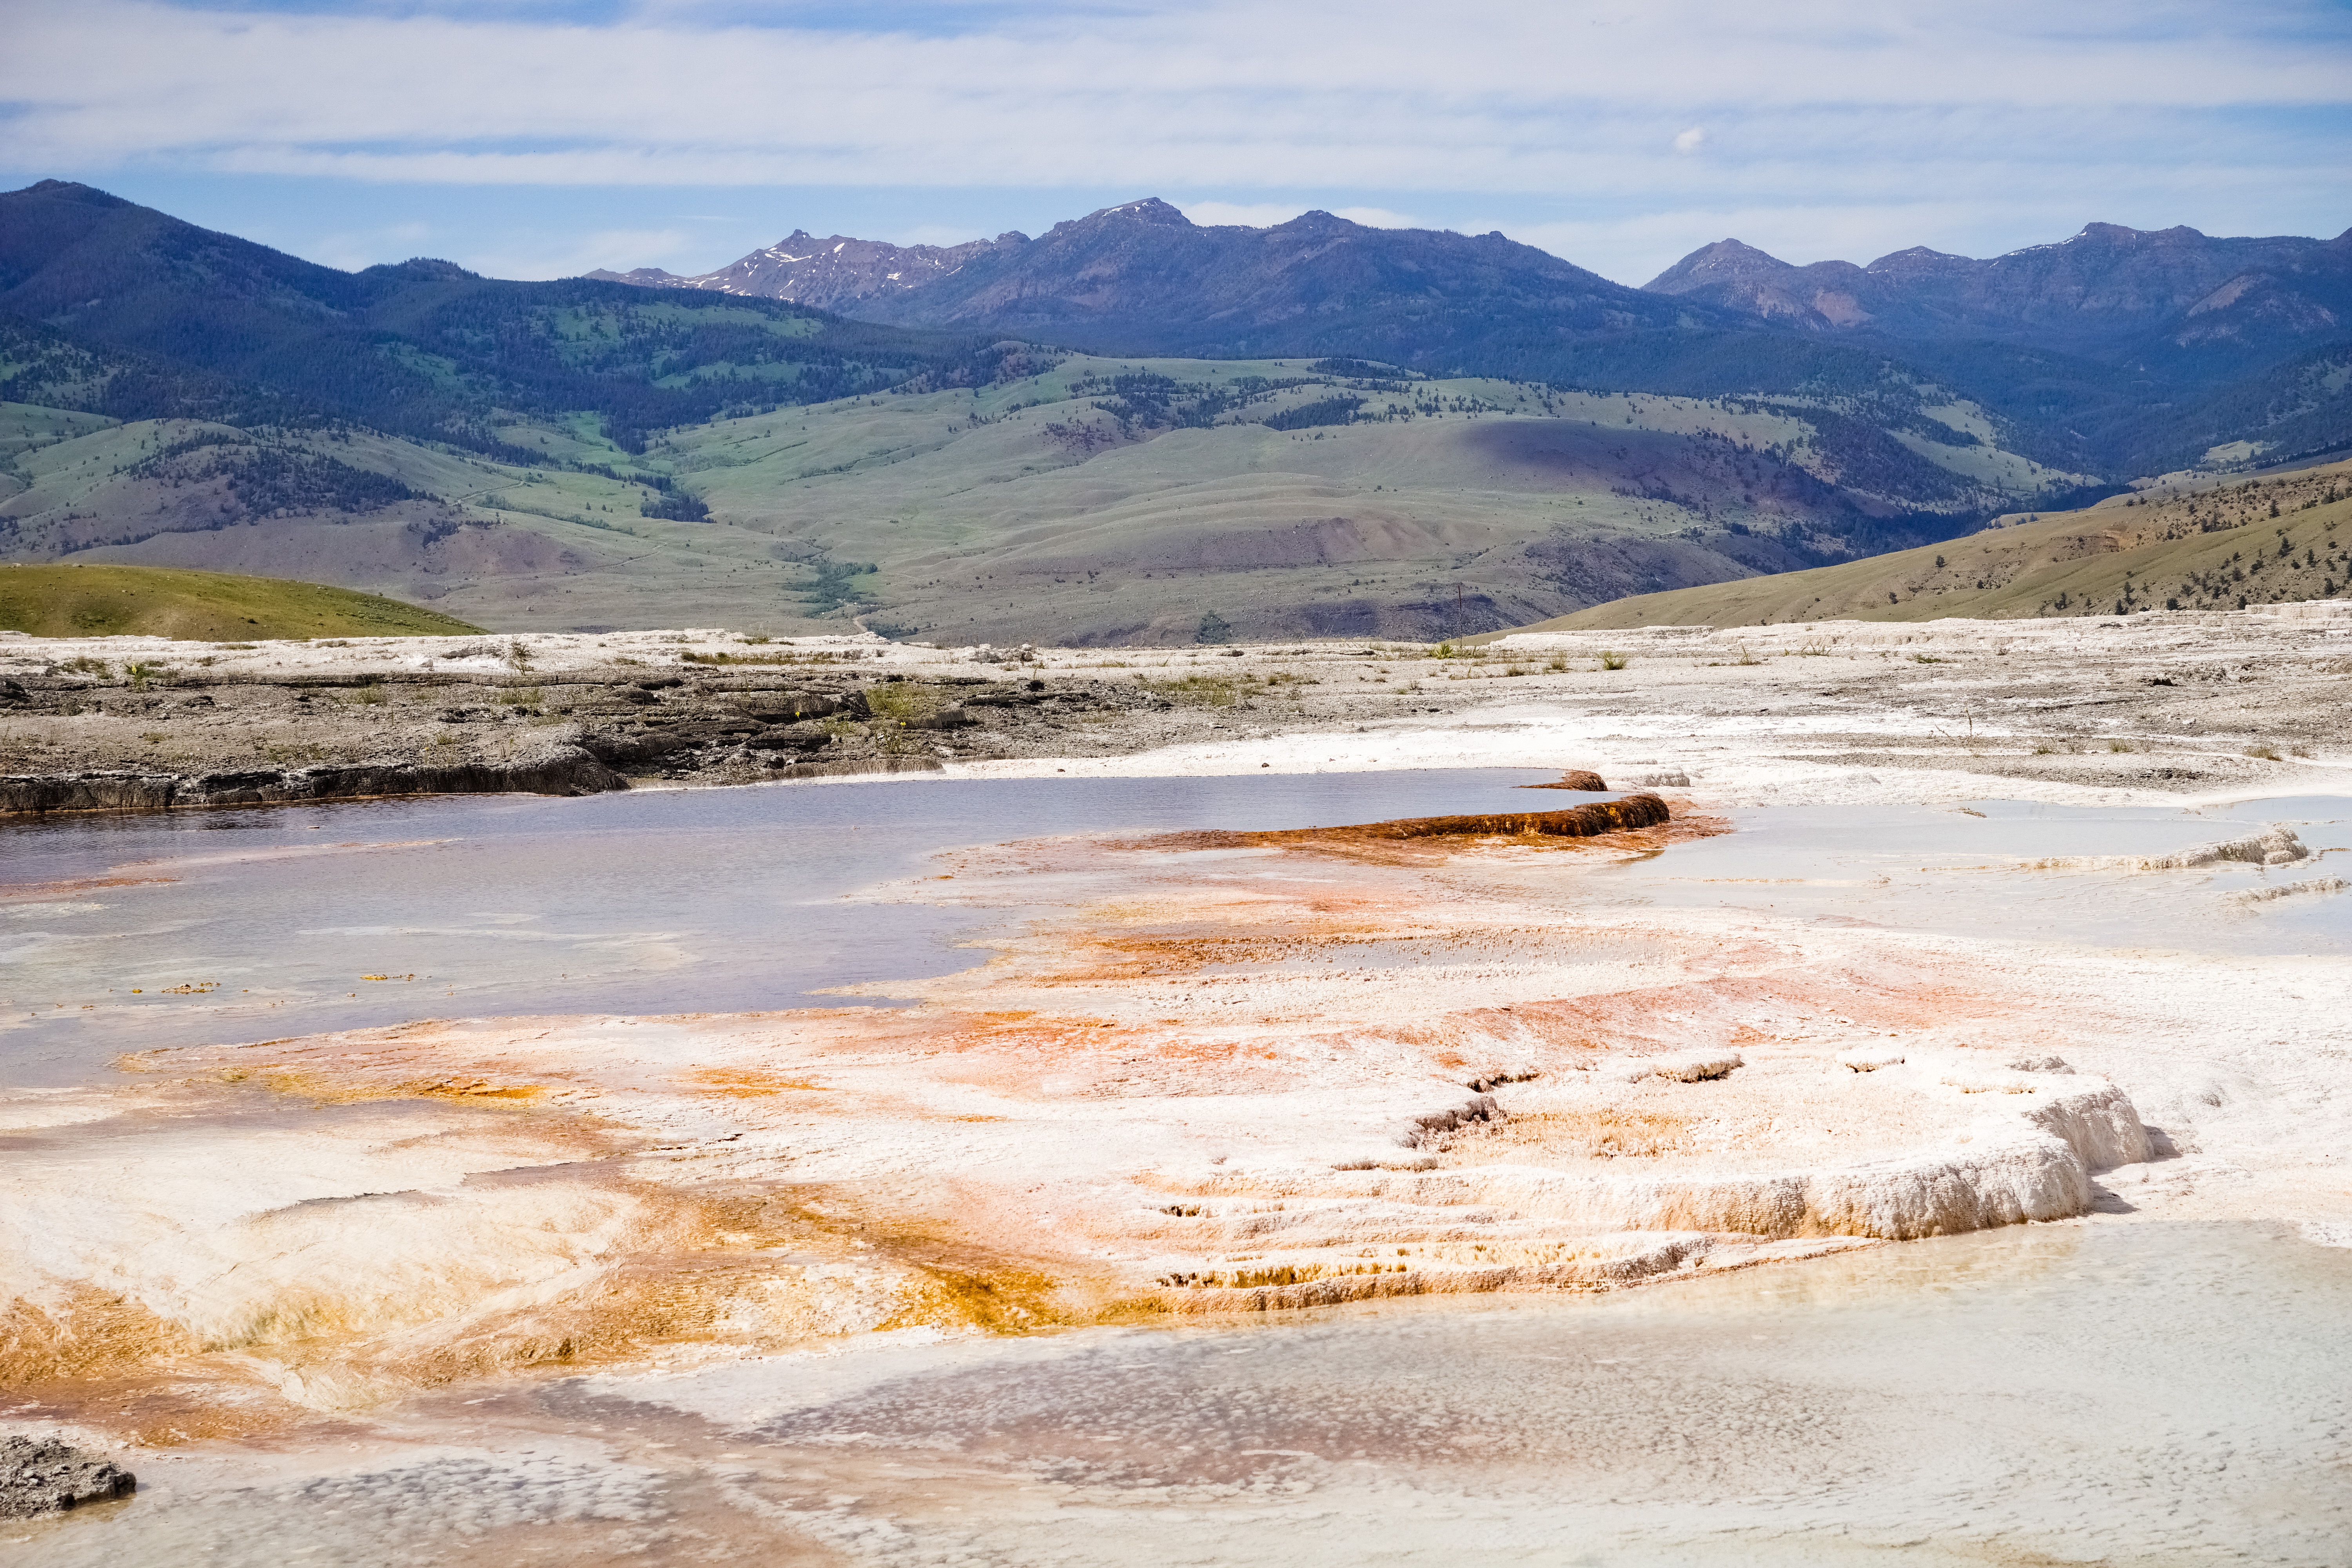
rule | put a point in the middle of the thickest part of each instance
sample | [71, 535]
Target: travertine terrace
[112, 722]
[1229, 1074]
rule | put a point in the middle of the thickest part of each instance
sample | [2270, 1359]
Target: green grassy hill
[1084, 500]
[1034, 510]
[2210, 547]
[74, 600]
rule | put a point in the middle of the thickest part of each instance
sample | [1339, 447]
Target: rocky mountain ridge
[1432, 433]
[837, 273]
[2108, 290]
[1143, 278]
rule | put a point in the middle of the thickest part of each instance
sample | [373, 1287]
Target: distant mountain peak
[72, 189]
[1916, 257]
[1150, 213]
[838, 272]
[2179, 233]
[1150, 209]
[422, 269]
[1724, 260]
[643, 277]
[2106, 288]
[1746, 279]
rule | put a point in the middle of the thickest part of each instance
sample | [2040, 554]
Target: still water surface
[720, 901]
[656, 901]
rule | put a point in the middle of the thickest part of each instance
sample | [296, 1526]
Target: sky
[542, 138]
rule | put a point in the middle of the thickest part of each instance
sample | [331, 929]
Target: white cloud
[352, 249]
[1247, 215]
[1974, 119]
[1491, 94]
[565, 257]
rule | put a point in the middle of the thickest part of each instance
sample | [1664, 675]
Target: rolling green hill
[1088, 500]
[2201, 547]
[76, 601]
[1126, 501]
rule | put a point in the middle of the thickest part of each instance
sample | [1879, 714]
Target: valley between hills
[1093, 501]
[1136, 430]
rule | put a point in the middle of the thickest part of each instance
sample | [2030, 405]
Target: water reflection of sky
[2031, 1385]
[653, 901]
[735, 900]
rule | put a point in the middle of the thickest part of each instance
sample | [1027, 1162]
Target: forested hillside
[175, 321]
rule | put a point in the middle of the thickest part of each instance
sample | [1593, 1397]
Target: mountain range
[1141, 276]
[2111, 293]
[1432, 425]
[2099, 353]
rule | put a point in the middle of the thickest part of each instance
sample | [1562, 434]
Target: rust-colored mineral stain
[473, 1089]
[85, 1334]
[1634, 812]
[10, 891]
[1644, 823]
[318, 1082]
[1111, 1003]
[746, 1083]
[1576, 779]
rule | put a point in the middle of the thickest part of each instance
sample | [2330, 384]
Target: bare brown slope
[2259, 542]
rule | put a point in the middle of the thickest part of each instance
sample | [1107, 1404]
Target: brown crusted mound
[44, 1475]
[1575, 822]
[1397, 843]
[564, 770]
[1575, 778]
